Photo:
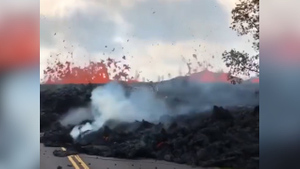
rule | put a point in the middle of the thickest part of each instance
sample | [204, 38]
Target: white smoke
[110, 102]
[200, 97]
[76, 115]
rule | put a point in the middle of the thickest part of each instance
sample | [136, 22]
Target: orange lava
[95, 72]
[208, 76]
[98, 73]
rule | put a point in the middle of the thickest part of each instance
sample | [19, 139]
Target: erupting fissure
[110, 69]
[174, 120]
[198, 92]
[95, 72]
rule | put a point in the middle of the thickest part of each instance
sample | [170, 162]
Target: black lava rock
[222, 138]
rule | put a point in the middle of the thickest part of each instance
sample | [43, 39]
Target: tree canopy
[245, 18]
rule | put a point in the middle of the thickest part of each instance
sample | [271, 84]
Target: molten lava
[95, 72]
[98, 73]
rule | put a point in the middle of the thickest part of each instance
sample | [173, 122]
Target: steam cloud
[112, 102]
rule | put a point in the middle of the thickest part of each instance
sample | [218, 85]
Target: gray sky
[154, 35]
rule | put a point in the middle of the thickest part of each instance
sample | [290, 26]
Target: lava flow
[181, 121]
[95, 73]
[98, 73]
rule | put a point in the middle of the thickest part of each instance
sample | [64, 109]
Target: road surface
[49, 161]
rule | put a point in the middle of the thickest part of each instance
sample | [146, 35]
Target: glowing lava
[95, 72]
[98, 73]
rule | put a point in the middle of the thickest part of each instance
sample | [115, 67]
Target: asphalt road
[49, 161]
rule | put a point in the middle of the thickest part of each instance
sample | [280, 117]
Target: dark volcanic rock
[219, 113]
[57, 136]
[208, 145]
[58, 99]
[221, 138]
[61, 153]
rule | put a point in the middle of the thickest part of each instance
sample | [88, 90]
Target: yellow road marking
[73, 162]
[71, 159]
[78, 159]
[81, 162]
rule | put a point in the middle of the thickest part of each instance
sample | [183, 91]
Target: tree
[245, 18]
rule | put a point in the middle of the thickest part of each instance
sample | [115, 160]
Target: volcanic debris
[221, 138]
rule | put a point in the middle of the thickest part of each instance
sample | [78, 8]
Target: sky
[154, 35]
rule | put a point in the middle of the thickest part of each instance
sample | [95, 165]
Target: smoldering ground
[173, 121]
[110, 102]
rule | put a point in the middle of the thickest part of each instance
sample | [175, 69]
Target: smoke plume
[115, 102]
